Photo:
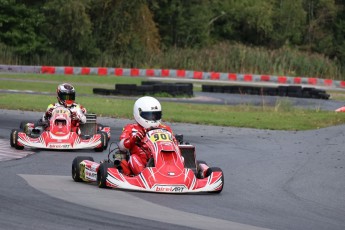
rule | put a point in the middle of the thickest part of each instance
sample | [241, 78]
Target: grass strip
[274, 118]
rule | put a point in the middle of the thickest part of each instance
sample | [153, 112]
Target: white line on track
[63, 187]
[8, 153]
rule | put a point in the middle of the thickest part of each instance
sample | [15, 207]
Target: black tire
[102, 174]
[216, 169]
[198, 172]
[14, 140]
[104, 139]
[76, 167]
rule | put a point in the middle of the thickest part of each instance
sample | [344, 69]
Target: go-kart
[172, 169]
[57, 133]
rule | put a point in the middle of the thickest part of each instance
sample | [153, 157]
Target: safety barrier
[284, 91]
[148, 88]
[179, 74]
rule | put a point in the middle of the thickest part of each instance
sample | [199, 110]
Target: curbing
[173, 73]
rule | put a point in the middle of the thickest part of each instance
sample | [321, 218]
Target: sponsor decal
[169, 188]
[90, 174]
[59, 146]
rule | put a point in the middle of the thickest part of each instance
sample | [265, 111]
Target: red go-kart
[172, 169]
[57, 134]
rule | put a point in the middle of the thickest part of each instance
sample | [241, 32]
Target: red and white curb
[175, 74]
[9, 153]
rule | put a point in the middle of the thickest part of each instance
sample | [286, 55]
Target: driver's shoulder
[167, 127]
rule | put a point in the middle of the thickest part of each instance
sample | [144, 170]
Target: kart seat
[59, 122]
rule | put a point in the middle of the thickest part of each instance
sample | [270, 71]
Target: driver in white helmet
[147, 113]
[66, 96]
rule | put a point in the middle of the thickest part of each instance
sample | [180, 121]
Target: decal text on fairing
[168, 188]
[60, 146]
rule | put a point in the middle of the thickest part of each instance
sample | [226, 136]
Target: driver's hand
[49, 112]
[138, 136]
[74, 116]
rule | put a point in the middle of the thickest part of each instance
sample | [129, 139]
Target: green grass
[282, 116]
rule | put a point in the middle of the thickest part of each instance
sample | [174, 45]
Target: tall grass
[222, 57]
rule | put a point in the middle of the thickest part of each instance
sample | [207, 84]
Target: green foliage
[184, 23]
[20, 28]
[69, 28]
[178, 34]
[125, 30]
[289, 23]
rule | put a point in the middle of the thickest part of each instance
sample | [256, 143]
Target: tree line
[175, 33]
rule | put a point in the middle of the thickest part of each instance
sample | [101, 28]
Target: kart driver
[66, 96]
[147, 113]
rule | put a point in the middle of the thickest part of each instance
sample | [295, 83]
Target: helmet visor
[151, 116]
[67, 97]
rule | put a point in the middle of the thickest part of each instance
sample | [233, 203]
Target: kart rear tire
[216, 169]
[76, 167]
[14, 140]
[102, 174]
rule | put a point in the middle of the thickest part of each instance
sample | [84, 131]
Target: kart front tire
[102, 174]
[198, 171]
[14, 140]
[76, 167]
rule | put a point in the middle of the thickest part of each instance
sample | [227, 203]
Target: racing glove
[136, 137]
[49, 113]
[74, 116]
[129, 142]
[139, 136]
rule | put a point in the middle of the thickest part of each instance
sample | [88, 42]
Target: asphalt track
[273, 180]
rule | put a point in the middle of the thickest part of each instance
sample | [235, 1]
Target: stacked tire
[148, 88]
[283, 91]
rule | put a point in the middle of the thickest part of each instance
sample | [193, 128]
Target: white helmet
[147, 112]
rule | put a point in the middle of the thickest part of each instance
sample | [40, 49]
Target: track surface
[273, 179]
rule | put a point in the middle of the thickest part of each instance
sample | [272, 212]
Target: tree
[69, 29]
[19, 28]
[246, 21]
[339, 35]
[320, 15]
[289, 22]
[184, 23]
[124, 29]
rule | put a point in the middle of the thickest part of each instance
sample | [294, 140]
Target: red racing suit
[139, 152]
[77, 115]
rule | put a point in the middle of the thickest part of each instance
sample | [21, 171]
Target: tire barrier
[148, 88]
[283, 91]
[175, 73]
